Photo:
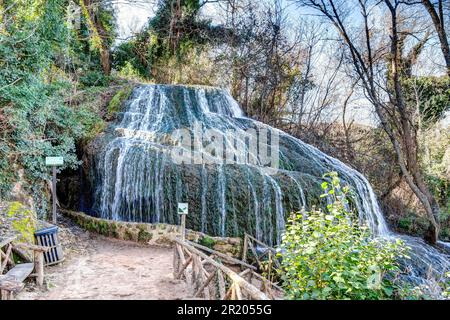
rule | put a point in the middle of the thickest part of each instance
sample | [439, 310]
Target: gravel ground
[97, 267]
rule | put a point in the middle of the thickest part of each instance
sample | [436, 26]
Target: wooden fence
[267, 253]
[209, 277]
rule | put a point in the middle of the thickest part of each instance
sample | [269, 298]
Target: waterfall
[170, 144]
[222, 203]
[203, 199]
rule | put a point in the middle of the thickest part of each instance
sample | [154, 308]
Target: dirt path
[101, 268]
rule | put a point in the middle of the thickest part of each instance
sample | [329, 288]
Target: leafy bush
[446, 286]
[207, 242]
[36, 119]
[326, 254]
[117, 100]
[35, 122]
[94, 78]
[411, 223]
[128, 71]
[432, 93]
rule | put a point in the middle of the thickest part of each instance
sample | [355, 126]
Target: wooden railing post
[176, 261]
[183, 226]
[182, 270]
[245, 249]
[237, 290]
[199, 276]
[205, 284]
[7, 258]
[39, 267]
[221, 283]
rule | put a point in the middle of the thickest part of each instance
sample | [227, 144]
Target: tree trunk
[1, 15]
[407, 150]
[97, 29]
[105, 56]
[106, 65]
[395, 116]
[438, 22]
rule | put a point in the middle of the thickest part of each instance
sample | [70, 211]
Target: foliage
[432, 94]
[435, 161]
[207, 242]
[171, 43]
[98, 20]
[94, 78]
[446, 289]
[327, 255]
[36, 122]
[410, 223]
[22, 221]
[91, 121]
[129, 58]
[118, 99]
[171, 30]
[267, 63]
[128, 71]
[35, 119]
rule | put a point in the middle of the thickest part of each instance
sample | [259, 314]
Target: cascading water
[142, 170]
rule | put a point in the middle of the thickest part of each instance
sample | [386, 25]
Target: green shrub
[413, 224]
[207, 242]
[446, 286]
[326, 254]
[94, 78]
[118, 99]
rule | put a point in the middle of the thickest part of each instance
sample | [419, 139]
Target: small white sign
[54, 161]
[183, 208]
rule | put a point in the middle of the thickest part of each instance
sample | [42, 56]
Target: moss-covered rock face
[117, 100]
[16, 219]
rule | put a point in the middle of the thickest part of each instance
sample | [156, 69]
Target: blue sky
[132, 16]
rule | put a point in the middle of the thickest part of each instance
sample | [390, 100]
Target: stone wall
[160, 234]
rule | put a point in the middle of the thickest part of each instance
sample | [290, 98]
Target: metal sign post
[54, 162]
[183, 209]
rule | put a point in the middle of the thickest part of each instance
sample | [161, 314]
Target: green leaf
[388, 291]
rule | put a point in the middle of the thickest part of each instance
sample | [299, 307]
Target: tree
[264, 57]
[35, 121]
[174, 37]
[99, 19]
[377, 62]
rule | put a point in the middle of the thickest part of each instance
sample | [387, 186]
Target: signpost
[54, 162]
[183, 209]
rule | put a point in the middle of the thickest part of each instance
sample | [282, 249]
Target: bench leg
[39, 267]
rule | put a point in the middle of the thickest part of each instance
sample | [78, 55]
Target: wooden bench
[12, 282]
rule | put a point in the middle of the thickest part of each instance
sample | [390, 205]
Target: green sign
[182, 208]
[54, 161]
